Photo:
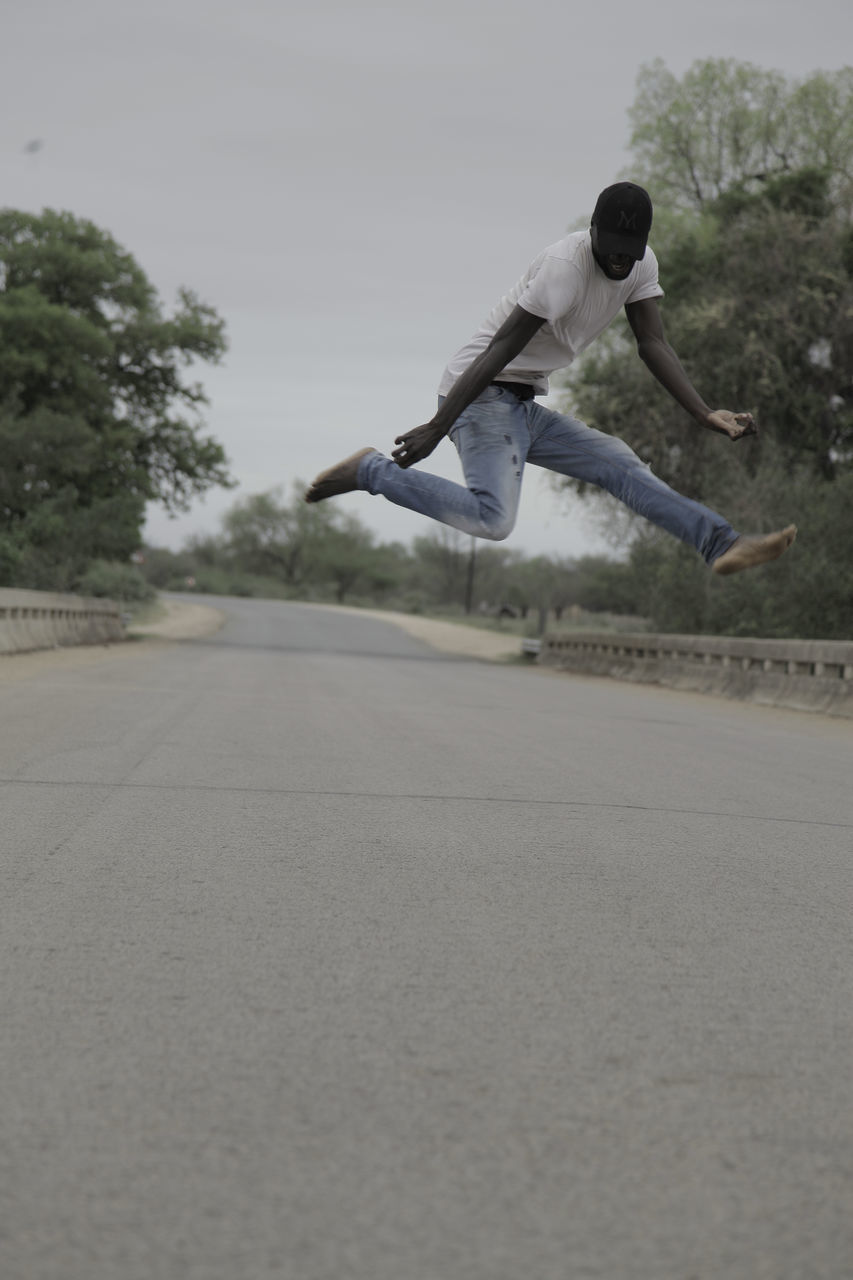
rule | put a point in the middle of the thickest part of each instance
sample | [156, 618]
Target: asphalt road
[329, 957]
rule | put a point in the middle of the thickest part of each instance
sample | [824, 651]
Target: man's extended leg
[571, 448]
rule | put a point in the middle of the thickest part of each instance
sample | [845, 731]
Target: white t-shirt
[566, 287]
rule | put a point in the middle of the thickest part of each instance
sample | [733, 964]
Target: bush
[116, 581]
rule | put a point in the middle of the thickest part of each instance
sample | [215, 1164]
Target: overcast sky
[352, 186]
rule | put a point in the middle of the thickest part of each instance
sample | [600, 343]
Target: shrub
[115, 580]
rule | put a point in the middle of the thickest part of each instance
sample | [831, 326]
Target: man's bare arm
[645, 320]
[512, 337]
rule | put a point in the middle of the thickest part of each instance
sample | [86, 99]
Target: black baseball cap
[623, 219]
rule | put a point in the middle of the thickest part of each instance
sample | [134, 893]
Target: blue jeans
[497, 434]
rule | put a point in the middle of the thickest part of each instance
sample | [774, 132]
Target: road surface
[328, 955]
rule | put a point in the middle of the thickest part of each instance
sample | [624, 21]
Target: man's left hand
[733, 425]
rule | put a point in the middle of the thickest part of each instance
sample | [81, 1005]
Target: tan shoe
[751, 549]
[342, 478]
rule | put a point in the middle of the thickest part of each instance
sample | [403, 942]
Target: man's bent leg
[571, 448]
[491, 438]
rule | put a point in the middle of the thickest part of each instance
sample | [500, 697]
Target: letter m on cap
[627, 221]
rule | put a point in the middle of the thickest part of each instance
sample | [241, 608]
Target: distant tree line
[272, 545]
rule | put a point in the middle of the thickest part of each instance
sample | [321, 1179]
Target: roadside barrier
[807, 675]
[44, 620]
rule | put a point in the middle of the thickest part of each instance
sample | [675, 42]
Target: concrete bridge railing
[44, 620]
[810, 675]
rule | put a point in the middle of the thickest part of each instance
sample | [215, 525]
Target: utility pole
[469, 585]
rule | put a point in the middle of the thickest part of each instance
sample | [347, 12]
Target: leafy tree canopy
[730, 124]
[759, 306]
[97, 416]
[757, 268]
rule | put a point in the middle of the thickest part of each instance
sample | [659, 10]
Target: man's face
[616, 266]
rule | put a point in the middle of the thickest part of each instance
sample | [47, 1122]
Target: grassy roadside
[574, 619]
[143, 613]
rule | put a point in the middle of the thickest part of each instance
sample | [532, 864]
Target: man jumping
[487, 405]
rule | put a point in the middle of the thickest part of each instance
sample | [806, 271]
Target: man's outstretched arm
[645, 320]
[512, 337]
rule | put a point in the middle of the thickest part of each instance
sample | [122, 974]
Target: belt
[523, 390]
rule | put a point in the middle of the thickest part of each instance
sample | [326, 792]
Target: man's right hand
[417, 444]
[511, 338]
[733, 425]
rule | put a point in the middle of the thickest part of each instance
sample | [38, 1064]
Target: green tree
[538, 583]
[757, 264]
[493, 569]
[758, 305]
[729, 124]
[758, 269]
[307, 547]
[267, 535]
[607, 586]
[96, 414]
[346, 557]
[387, 571]
[440, 568]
